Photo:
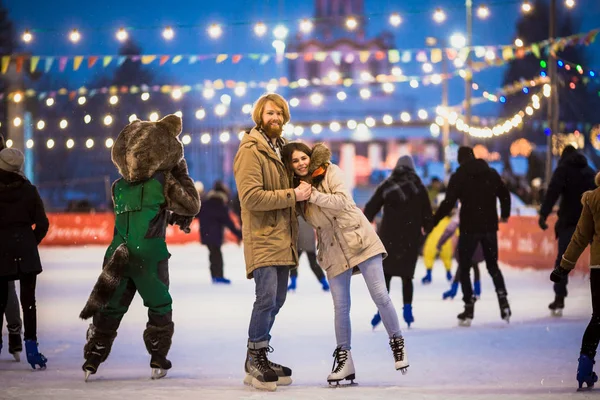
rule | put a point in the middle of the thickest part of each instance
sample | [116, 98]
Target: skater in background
[477, 186]
[571, 178]
[307, 243]
[269, 230]
[214, 218]
[406, 215]
[431, 252]
[154, 190]
[14, 324]
[587, 232]
[347, 243]
[21, 208]
[445, 239]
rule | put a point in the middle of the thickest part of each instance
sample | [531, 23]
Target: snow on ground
[533, 357]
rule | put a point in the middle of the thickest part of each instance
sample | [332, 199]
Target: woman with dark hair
[20, 208]
[346, 244]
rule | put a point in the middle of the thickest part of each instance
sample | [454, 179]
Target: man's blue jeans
[271, 290]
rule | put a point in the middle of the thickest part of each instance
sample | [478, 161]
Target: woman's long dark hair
[286, 158]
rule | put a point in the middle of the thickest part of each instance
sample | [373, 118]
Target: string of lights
[280, 30]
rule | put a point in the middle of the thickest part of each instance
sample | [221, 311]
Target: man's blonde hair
[259, 107]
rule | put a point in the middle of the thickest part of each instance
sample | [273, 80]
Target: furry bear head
[144, 147]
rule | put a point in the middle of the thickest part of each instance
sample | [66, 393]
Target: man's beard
[273, 132]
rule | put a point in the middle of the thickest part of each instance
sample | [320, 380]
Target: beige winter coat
[345, 238]
[269, 223]
[587, 231]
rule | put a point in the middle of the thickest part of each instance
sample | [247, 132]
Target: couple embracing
[276, 181]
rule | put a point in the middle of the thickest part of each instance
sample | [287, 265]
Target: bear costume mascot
[154, 190]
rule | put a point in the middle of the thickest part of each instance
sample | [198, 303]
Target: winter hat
[405, 161]
[12, 160]
[567, 151]
[465, 154]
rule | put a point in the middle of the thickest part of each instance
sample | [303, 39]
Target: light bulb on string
[260, 29]
[439, 16]
[526, 7]
[17, 97]
[483, 12]
[122, 35]
[27, 36]
[570, 3]
[215, 31]
[351, 23]
[168, 33]
[74, 36]
[395, 19]
[50, 102]
[70, 143]
[306, 26]
[518, 42]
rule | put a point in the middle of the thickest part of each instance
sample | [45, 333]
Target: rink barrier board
[521, 242]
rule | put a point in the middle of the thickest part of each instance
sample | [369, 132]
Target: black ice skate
[557, 306]
[97, 349]
[466, 317]
[158, 343]
[159, 365]
[15, 346]
[259, 373]
[284, 374]
[505, 312]
[342, 369]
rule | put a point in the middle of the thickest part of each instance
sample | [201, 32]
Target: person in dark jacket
[406, 215]
[477, 186]
[20, 208]
[571, 178]
[307, 243]
[12, 312]
[214, 217]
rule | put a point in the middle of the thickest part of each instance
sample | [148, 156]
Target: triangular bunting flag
[364, 55]
[62, 63]
[221, 58]
[308, 57]
[106, 60]
[77, 62]
[236, 58]
[19, 64]
[507, 53]
[148, 59]
[193, 59]
[264, 59]
[176, 59]
[393, 56]
[219, 84]
[421, 56]
[49, 61]
[336, 57]
[291, 56]
[320, 56]
[163, 60]
[379, 55]
[92, 60]
[535, 49]
[5, 63]
[33, 63]
[254, 56]
[121, 60]
[436, 55]
[406, 56]
[72, 95]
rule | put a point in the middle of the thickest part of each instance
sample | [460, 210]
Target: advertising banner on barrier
[521, 242]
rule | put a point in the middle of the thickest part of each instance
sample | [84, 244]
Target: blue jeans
[372, 272]
[271, 289]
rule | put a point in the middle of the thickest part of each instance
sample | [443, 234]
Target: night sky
[98, 22]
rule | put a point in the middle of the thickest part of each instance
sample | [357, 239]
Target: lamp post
[469, 75]
[432, 41]
[553, 106]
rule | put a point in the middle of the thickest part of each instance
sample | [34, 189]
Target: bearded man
[269, 232]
